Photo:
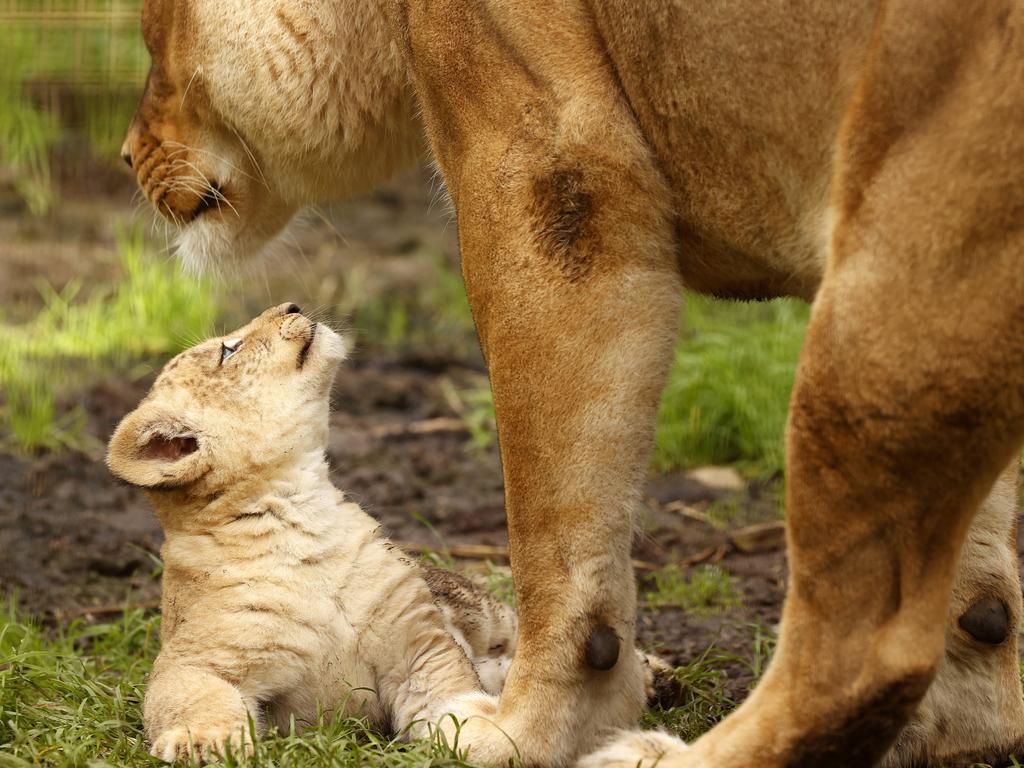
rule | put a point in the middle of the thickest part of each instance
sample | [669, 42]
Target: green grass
[154, 312]
[728, 390]
[75, 699]
[706, 589]
[85, 56]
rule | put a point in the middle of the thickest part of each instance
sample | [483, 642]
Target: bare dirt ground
[76, 544]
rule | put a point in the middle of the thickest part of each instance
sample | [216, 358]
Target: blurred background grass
[71, 72]
[70, 77]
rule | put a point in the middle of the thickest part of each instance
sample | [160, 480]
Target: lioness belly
[741, 103]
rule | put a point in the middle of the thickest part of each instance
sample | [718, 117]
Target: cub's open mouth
[304, 352]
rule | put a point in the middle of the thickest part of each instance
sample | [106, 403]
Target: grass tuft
[709, 588]
[74, 699]
[705, 700]
[728, 390]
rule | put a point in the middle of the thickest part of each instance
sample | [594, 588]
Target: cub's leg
[425, 679]
[190, 713]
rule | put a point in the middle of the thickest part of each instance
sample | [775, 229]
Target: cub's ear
[154, 449]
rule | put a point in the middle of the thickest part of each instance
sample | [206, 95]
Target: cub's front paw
[201, 745]
[638, 749]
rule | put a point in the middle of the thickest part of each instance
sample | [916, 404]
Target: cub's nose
[292, 309]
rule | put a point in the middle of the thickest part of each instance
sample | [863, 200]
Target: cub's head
[253, 109]
[230, 408]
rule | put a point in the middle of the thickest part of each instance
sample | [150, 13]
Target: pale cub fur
[279, 597]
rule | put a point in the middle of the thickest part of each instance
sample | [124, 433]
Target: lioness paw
[636, 749]
[200, 745]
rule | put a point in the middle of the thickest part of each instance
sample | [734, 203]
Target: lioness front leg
[576, 369]
[576, 302]
[571, 269]
[190, 713]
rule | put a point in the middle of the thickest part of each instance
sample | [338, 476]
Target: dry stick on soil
[685, 510]
[437, 426]
[104, 610]
[759, 537]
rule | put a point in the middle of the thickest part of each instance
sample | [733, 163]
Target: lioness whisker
[252, 157]
[186, 148]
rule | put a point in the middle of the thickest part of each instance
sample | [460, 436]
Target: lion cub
[279, 597]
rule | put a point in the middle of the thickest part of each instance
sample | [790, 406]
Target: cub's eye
[228, 348]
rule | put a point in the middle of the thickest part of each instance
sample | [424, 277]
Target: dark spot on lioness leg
[987, 621]
[602, 649]
[563, 210]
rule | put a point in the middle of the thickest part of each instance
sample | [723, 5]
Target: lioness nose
[293, 309]
[126, 152]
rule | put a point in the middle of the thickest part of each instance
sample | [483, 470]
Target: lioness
[278, 593]
[601, 156]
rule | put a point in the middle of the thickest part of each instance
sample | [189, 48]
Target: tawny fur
[601, 156]
[279, 596]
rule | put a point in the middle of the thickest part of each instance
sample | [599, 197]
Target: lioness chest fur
[280, 598]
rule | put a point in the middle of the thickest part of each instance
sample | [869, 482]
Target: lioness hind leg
[973, 711]
[907, 407]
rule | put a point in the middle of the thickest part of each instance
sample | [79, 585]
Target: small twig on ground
[691, 513]
[761, 537]
[439, 425]
[103, 610]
